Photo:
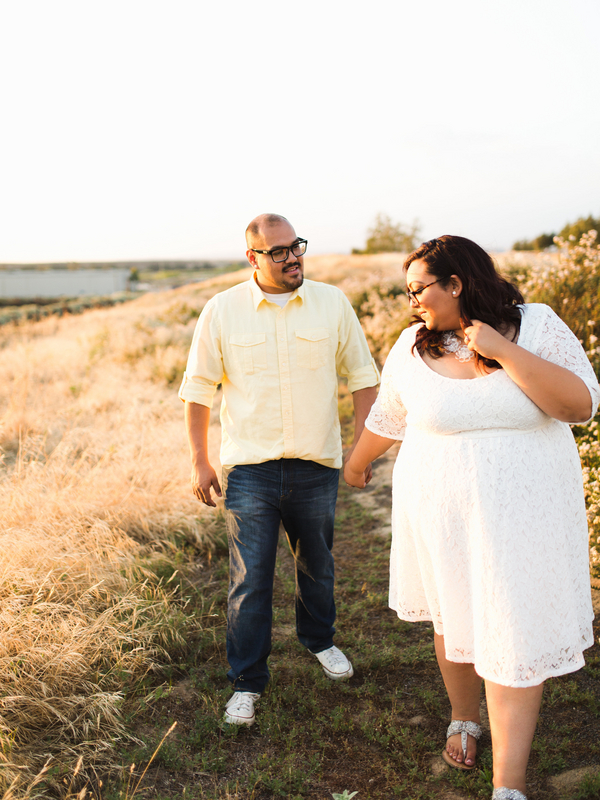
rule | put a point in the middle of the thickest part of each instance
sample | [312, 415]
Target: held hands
[204, 478]
[485, 340]
[357, 479]
[353, 478]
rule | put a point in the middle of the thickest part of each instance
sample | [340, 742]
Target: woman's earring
[453, 292]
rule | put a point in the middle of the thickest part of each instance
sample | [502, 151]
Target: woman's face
[437, 306]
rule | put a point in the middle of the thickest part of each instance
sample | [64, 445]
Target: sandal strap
[464, 727]
[502, 793]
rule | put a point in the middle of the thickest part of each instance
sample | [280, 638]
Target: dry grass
[94, 493]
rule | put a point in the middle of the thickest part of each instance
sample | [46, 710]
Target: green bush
[539, 243]
[573, 231]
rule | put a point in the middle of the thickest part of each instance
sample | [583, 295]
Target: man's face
[284, 276]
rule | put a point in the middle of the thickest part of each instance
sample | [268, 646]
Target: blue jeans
[302, 495]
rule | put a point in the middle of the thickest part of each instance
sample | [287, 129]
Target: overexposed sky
[136, 129]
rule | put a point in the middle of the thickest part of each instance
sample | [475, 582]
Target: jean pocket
[312, 348]
[249, 351]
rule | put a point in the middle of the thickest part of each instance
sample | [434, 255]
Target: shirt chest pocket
[249, 351]
[312, 347]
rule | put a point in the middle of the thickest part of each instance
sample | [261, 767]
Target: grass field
[113, 587]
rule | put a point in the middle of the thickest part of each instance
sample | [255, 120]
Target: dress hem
[554, 673]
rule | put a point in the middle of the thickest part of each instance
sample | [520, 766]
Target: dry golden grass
[93, 489]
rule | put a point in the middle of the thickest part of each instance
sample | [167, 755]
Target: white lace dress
[490, 537]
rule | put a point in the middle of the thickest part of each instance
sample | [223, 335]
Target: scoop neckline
[448, 378]
[479, 377]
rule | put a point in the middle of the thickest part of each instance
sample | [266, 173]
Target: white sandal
[463, 727]
[502, 793]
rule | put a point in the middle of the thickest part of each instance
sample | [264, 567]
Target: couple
[489, 525]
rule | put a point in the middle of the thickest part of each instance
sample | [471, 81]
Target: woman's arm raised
[558, 391]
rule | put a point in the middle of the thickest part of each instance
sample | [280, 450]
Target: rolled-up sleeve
[353, 358]
[204, 370]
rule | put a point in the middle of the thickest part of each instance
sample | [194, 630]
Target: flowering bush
[570, 284]
[588, 442]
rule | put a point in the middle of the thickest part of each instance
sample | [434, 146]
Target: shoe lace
[242, 701]
[335, 656]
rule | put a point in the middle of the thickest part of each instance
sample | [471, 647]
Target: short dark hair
[485, 295]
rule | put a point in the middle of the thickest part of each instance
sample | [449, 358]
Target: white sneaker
[335, 664]
[240, 708]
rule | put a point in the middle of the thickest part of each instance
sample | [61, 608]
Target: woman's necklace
[454, 344]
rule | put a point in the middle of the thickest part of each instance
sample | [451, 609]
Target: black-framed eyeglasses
[279, 254]
[414, 296]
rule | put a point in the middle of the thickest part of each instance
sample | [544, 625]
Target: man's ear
[251, 256]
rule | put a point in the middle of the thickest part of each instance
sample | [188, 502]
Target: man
[276, 343]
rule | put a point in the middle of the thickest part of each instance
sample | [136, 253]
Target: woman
[489, 523]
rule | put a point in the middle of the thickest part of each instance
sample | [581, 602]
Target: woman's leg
[513, 717]
[463, 685]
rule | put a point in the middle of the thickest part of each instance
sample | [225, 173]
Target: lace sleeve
[555, 342]
[388, 415]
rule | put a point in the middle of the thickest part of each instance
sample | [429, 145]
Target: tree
[572, 229]
[523, 244]
[387, 237]
[581, 226]
[540, 242]
[543, 241]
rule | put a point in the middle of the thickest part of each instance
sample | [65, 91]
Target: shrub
[570, 284]
[579, 227]
[541, 242]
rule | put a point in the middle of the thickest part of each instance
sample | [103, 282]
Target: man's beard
[294, 281]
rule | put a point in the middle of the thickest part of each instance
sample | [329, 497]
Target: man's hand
[203, 479]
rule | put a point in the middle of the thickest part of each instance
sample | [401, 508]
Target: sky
[145, 129]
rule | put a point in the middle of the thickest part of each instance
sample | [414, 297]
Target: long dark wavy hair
[485, 295]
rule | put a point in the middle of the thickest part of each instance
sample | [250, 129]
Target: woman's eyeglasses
[414, 296]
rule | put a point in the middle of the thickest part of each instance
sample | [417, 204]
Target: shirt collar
[258, 296]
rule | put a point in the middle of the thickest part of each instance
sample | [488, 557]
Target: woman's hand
[368, 473]
[485, 340]
[357, 469]
[354, 478]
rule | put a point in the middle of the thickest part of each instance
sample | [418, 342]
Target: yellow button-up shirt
[279, 368]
